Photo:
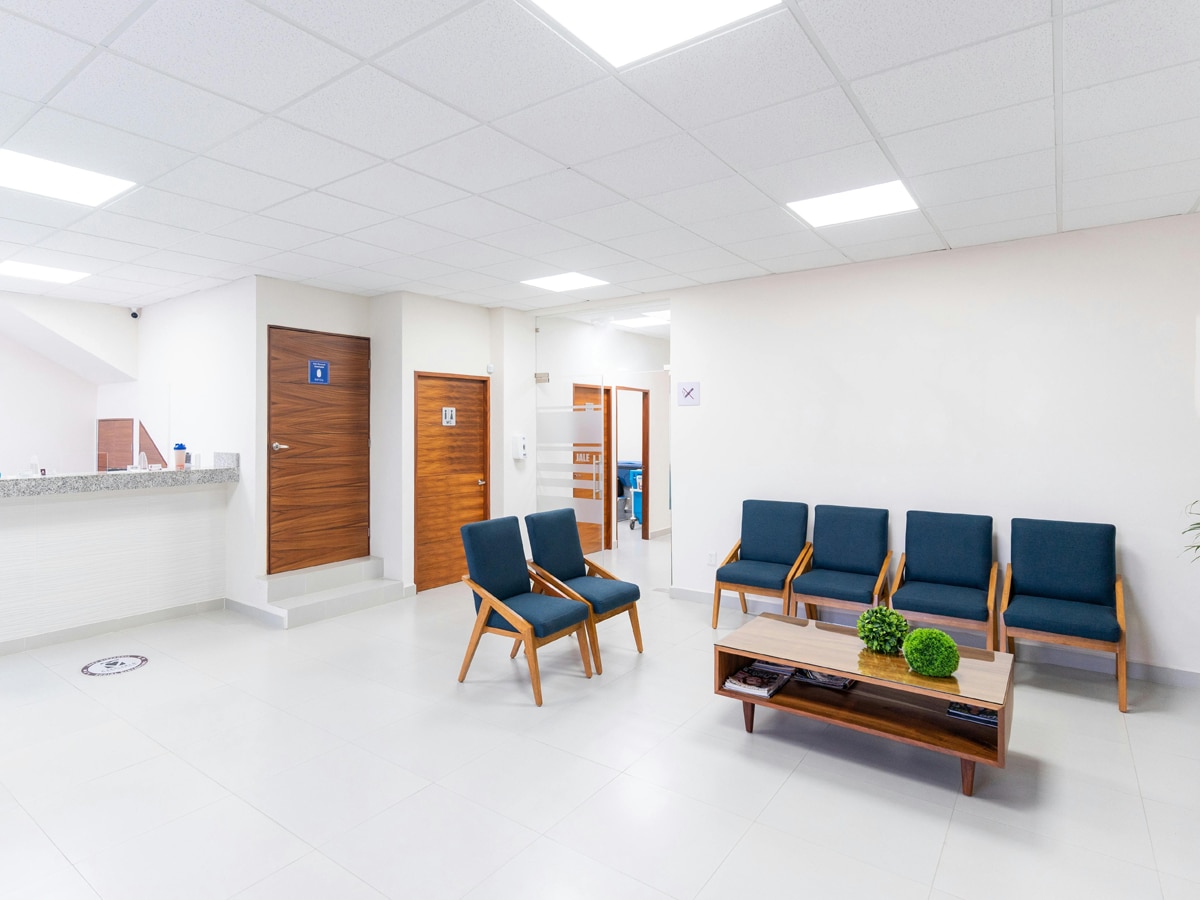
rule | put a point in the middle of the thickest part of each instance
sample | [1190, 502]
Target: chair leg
[595, 642]
[1121, 682]
[810, 610]
[583, 651]
[476, 634]
[535, 674]
[742, 597]
[516, 646]
[716, 604]
[637, 628]
[991, 635]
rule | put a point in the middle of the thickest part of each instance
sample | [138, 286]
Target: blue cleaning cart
[636, 481]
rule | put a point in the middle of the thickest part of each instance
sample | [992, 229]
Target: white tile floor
[343, 760]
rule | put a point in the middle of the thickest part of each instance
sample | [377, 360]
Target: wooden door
[318, 447]
[595, 480]
[451, 472]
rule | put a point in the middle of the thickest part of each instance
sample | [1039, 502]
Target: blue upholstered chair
[560, 566]
[769, 554]
[947, 576]
[848, 565]
[506, 603]
[1062, 587]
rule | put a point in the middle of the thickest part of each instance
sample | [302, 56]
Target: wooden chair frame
[988, 627]
[743, 589]
[543, 579]
[489, 604]
[1048, 637]
[879, 594]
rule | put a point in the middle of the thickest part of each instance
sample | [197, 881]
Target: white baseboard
[92, 629]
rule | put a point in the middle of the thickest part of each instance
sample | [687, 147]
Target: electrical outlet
[712, 558]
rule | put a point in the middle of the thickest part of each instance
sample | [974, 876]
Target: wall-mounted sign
[448, 414]
[318, 371]
[687, 393]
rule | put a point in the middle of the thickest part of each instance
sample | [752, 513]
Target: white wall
[1049, 378]
[514, 482]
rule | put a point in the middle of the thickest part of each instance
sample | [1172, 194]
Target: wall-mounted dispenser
[519, 449]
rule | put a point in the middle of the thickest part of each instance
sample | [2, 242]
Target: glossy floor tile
[345, 760]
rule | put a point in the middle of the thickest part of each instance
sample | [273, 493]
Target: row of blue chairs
[1061, 585]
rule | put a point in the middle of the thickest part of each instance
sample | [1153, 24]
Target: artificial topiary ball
[882, 629]
[932, 652]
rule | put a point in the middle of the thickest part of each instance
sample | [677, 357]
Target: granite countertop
[115, 481]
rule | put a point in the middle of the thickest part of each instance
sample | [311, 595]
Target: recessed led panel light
[40, 273]
[623, 31]
[568, 281]
[664, 314]
[850, 206]
[639, 322]
[62, 182]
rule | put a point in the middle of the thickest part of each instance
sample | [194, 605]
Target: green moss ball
[882, 629]
[929, 651]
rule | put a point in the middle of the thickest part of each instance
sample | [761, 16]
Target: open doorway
[632, 416]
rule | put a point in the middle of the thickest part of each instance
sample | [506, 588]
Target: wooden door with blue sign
[318, 448]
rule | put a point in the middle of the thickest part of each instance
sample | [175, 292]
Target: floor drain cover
[114, 665]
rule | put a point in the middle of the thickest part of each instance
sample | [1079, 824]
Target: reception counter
[113, 481]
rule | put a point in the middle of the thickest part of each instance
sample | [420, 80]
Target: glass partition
[573, 455]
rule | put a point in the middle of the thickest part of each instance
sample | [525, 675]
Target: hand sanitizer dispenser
[519, 450]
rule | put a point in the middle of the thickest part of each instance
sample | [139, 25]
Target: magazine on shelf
[824, 679]
[969, 713]
[759, 679]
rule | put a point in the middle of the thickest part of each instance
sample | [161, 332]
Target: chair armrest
[992, 588]
[733, 554]
[599, 571]
[802, 561]
[1121, 604]
[490, 601]
[899, 582]
[882, 592]
[554, 585]
[1007, 588]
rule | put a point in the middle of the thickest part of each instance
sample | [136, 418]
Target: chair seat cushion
[941, 600]
[754, 573]
[836, 585]
[1076, 618]
[605, 594]
[547, 614]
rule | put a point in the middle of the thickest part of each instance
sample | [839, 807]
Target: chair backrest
[496, 557]
[554, 542]
[1065, 560]
[948, 548]
[773, 531]
[850, 539]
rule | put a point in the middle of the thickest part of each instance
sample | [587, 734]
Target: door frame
[487, 444]
[645, 392]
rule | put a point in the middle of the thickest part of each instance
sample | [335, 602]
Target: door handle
[481, 482]
[278, 446]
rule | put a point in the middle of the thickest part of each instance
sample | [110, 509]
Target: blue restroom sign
[318, 371]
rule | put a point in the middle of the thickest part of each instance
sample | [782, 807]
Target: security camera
[134, 312]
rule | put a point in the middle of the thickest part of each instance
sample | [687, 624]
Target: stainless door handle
[278, 446]
[481, 482]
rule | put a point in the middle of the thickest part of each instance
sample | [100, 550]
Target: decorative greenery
[932, 652]
[882, 629]
[1193, 530]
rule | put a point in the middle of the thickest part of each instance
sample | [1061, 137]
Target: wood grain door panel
[319, 486]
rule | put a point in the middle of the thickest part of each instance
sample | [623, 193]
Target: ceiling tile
[13, 113]
[589, 256]
[881, 228]
[745, 226]
[479, 160]
[208, 179]
[173, 209]
[97, 247]
[394, 189]
[1130, 211]
[40, 210]
[234, 49]
[211, 246]
[995, 232]
[698, 260]
[1127, 38]
[660, 243]
[472, 217]
[116, 285]
[355, 280]
[1002, 208]
[728, 273]
[994, 135]
[864, 36]
[91, 22]
[325, 213]
[1013, 69]
[800, 262]
[1144, 184]
[410, 268]
[76, 262]
[298, 265]
[1162, 144]
[504, 60]
[370, 109]
[1132, 103]
[465, 281]
[35, 59]
[780, 245]
[105, 223]
[150, 276]
[347, 251]
[827, 173]
[660, 283]
[516, 270]
[341, 23]
[904, 246]
[592, 121]
[710, 200]
[666, 165]
[270, 233]
[618, 220]
[22, 232]
[64, 138]
[78, 291]
[792, 130]
[513, 292]
[985, 179]
[405, 236]
[536, 239]
[183, 262]
[293, 154]
[760, 63]
[553, 196]
[623, 273]
[467, 254]
[133, 98]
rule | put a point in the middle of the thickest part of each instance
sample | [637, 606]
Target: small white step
[322, 578]
[337, 601]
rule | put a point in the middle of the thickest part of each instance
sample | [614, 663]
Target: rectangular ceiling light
[40, 273]
[850, 206]
[62, 182]
[623, 31]
[568, 281]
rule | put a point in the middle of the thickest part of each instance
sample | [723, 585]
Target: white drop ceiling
[459, 147]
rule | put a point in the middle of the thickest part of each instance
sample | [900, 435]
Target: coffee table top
[983, 676]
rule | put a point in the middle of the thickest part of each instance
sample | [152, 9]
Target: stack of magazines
[970, 713]
[759, 679]
[824, 679]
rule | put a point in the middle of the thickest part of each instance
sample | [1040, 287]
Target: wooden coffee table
[888, 699]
